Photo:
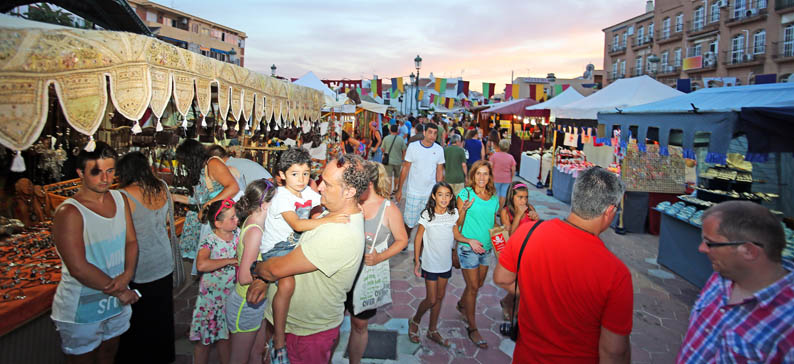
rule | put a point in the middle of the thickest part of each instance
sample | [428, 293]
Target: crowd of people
[279, 258]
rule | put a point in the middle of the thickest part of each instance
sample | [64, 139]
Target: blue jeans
[501, 189]
[377, 156]
[471, 260]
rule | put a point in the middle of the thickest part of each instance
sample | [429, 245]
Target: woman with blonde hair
[377, 210]
[478, 204]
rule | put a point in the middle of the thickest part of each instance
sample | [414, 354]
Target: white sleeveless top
[104, 240]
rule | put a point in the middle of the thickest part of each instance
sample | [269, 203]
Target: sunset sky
[479, 40]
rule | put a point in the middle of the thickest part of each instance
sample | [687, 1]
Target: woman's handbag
[372, 288]
[511, 328]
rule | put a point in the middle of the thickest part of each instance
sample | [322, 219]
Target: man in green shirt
[394, 145]
[455, 163]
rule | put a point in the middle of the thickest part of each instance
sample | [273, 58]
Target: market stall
[151, 83]
[536, 165]
[577, 125]
[512, 113]
[714, 117]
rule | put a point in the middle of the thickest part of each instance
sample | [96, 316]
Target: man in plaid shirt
[745, 313]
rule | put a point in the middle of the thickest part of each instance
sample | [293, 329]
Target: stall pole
[540, 183]
[553, 162]
[620, 230]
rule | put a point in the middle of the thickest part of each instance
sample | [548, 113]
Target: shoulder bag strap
[518, 265]
[392, 144]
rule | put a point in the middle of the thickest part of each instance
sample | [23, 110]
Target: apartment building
[709, 42]
[191, 32]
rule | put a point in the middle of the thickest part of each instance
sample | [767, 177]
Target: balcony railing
[784, 4]
[740, 58]
[615, 48]
[667, 69]
[746, 16]
[783, 51]
[639, 72]
[613, 77]
[695, 27]
[662, 37]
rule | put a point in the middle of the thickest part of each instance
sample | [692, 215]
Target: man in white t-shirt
[423, 167]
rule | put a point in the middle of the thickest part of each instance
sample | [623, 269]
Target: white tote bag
[373, 287]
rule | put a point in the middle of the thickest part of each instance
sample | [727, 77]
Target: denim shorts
[501, 189]
[279, 250]
[470, 260]
[435, 276]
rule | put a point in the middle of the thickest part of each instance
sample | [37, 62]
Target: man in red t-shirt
[576, 296]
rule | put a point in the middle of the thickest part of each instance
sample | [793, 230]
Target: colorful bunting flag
[557, 89]
[443, 86]
[450, 103]
[379, 82]
[432, 98]
[508, 91]
[393, 84]
[437, 86]
[487, 89]
[565, 87]
[516, 91]
[422, 94]
[400, 86]
[464, 88]
[540, 92]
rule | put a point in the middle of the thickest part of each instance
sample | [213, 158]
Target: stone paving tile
[661, 308]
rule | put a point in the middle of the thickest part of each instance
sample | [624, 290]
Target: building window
[650, 31]
[623, 68]
[151, 17]
[623, 44]
[615, 70]
[241, 43]
[759, 42]
[666, 28]
[638, 66]
[699, 18]
[737, 48]
[739, 6]
[640, 35]
[679, 22]
[665, 59]
[677, 57]
[697, 50]
[714, 12]
[788, 41]
[761, 4]
[195, 28]
[615, 42]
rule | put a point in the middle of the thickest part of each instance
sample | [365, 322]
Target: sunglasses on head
[340, 162]
[268, 186]
[226, 204]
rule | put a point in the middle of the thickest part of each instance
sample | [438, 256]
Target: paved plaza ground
[662, 302]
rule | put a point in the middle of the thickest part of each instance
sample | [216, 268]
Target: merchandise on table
[27, 261]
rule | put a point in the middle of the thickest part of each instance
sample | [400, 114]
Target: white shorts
[77, 339]
[413, 208]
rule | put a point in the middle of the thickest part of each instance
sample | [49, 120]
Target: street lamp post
[273, 70]
[418, 64]
[411, 104]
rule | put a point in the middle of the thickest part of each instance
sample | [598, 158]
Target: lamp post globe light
[418, 65]
[273, 70]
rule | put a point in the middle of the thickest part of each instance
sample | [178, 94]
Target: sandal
[462, 311]
[413, 335]
[278, 356]
[435, 336]
[482, 344]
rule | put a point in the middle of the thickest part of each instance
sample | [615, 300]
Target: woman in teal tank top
[479, 205]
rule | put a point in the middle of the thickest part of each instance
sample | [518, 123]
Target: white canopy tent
[330, 97]
[566, 97]
[620, 94]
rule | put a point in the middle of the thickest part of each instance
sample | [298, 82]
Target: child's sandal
[436, 337]
[413, 335]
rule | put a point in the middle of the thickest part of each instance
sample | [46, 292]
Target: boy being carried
[289, 215]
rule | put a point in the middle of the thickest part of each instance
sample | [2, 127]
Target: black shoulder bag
[512, 329]
[385, 159]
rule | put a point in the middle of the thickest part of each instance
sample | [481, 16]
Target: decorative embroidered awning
[143, 72]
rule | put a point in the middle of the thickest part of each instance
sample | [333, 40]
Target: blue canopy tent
[762, 113]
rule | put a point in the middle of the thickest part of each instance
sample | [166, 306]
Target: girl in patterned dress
[216, 260]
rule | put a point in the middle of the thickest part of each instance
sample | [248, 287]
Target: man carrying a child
[324, 265]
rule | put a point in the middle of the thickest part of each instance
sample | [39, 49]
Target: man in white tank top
[95, 238]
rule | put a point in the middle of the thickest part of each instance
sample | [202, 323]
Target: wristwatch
[256, 276]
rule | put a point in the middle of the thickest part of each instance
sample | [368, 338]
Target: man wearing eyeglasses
[745, 313]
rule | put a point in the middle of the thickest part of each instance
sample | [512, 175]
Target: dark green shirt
[454, 157]
[396, 153]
